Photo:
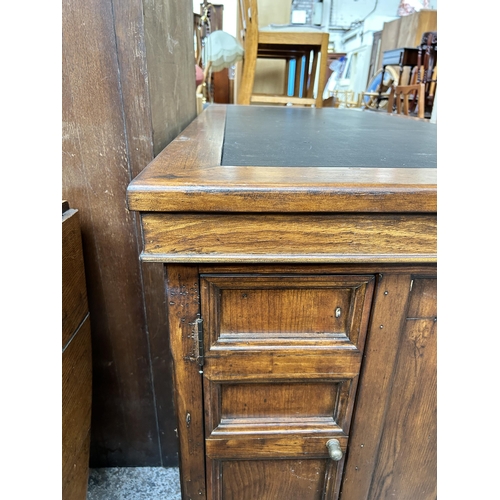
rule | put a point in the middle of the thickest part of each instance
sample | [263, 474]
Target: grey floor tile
[134, 483]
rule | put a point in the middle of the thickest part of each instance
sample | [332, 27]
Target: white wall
[345, 12]
[359, 46]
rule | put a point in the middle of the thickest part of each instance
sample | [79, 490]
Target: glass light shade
[222, 50]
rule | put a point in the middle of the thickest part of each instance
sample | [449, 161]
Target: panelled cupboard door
[282, 355]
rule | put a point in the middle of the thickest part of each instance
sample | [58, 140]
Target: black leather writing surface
[328, 137]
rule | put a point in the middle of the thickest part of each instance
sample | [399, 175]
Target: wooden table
[300, 276]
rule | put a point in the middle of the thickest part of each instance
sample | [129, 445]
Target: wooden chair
[290, 43]
[410, 96]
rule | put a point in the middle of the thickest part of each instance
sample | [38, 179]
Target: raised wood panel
[288, 401]
[74, 291]
[268, 408]
[314, 308]
[293, 311]
[311, 238]
[272, 479]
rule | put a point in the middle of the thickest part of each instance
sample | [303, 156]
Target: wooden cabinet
[302, 307]
[76, 361]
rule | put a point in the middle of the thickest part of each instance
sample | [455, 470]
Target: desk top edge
[188, 176]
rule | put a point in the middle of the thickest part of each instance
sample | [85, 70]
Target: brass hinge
[198, 339]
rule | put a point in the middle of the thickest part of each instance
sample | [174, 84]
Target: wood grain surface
[168, 26]
[407, 459]
[76, 361]
[376, 379]
[74, 292]
[184, 306]
[271, 479]
[179, 237]
[95, 176]
[392, 450]
[128, 88]
[76, 412]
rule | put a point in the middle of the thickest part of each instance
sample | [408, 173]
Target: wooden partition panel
[127, 91]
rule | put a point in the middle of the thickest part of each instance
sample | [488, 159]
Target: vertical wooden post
[183, 302]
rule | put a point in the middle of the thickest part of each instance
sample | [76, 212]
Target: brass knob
[334, 450]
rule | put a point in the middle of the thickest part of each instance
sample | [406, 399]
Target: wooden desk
[300, 265]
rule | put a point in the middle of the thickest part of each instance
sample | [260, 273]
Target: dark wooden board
[406, 462]
[95, 176]
[128, 89]
[74, 291]
[168, 25]
[76, 411]
[303, 137]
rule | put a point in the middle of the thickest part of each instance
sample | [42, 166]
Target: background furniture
[405, 98]
[418, 93]
[302, 45]
[405, 31]
[76, 361]
[301, 298]
[404, 57]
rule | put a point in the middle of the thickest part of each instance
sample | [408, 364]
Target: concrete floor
[134, 483]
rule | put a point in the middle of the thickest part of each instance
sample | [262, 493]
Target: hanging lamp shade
[222, 50]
